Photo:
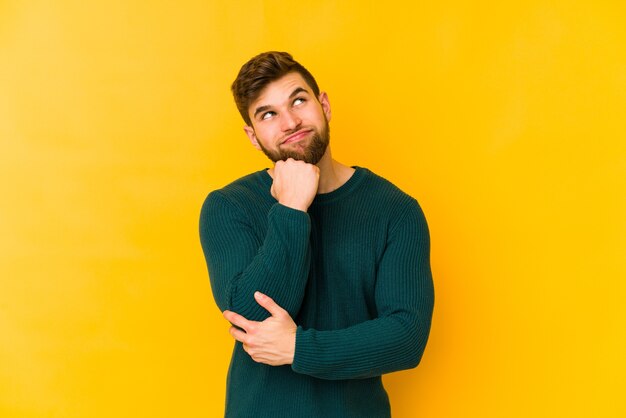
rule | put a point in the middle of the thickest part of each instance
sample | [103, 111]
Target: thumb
[269, 304]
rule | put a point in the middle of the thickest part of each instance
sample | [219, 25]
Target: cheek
[318, 114]
[267, 137]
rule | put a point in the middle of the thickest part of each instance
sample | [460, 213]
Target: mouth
[295, 137]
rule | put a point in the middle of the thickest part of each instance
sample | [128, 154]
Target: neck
[333, 174]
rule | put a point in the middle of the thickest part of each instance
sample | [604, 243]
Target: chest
[345, 251]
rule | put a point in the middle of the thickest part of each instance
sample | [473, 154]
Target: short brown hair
[261, 70]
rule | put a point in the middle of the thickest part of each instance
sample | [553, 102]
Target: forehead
[279, 90]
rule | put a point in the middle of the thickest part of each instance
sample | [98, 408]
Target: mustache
[294, 133]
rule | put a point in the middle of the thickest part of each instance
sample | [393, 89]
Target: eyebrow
[298, 91]
[263, 108]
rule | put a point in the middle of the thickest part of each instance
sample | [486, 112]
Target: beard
[312, 154]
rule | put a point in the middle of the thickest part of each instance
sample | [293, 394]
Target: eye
[267, 115]
[298, 101]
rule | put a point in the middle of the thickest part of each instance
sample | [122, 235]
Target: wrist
[292, 346]
[295, 205]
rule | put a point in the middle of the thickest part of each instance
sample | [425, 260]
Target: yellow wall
[506, 121]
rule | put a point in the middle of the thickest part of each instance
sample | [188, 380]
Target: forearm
[279, 269]
[369, 349]
[240, 263]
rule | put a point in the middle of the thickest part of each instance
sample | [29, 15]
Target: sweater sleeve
[396, 338]
[241, 262]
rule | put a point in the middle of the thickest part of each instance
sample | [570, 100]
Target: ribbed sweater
[354, 274]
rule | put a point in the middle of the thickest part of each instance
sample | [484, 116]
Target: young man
[323, 269]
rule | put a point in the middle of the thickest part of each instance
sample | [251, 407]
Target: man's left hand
[272, 341]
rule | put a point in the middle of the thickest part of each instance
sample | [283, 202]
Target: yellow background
[507, 120]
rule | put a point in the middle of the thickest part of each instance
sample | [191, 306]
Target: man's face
[288, 121]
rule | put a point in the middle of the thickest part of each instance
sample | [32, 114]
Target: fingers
[237, 320]
[269, 304]
[295, 183]
[237, 334]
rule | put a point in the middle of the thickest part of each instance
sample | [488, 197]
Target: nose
[290, 121]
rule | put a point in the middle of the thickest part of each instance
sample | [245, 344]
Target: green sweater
[353, 272]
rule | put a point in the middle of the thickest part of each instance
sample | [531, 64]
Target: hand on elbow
[272, 341]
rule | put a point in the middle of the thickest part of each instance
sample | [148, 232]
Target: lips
[296, 136]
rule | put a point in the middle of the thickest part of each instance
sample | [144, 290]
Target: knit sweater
[354, 274]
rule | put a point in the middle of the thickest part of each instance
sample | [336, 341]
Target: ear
[252, 136]
[323, 99]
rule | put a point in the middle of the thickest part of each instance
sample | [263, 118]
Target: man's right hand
[295, 183]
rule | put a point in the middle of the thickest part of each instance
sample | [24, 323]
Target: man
[323, 269]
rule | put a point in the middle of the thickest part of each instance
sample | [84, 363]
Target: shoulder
[245, 192]
[389, 199]
[381, 189]
[248, 187]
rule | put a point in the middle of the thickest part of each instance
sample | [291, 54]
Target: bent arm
[241, 262]
[396, 339]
